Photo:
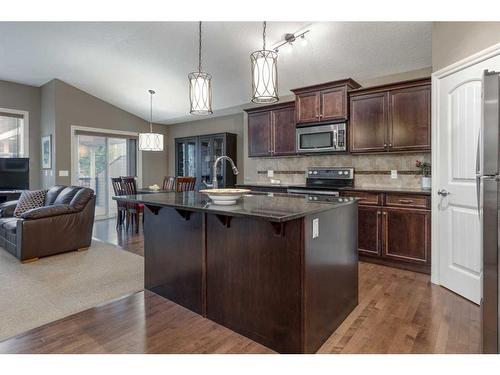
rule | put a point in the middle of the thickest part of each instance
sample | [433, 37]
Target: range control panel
[332, 173]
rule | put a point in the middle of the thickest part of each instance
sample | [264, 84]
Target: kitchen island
[274, 267]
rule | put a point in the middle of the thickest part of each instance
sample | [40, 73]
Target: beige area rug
[37, 293]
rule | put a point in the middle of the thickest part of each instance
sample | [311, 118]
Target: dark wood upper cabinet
[271, 130]
[333, 103]
[308, 107]
[410, 118]
[259, 134]
[368, 123]
[395, 117]
[283, 130]
[324, 102]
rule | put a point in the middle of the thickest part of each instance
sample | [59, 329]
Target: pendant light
[264, 74]
[200, 88]
[151, 141]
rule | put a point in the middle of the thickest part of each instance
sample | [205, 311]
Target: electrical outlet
[394, 173]
[316, 228]
[270, 173]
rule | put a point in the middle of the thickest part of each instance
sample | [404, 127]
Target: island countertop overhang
[269, 207]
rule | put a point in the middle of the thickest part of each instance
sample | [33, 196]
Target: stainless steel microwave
[321, 138]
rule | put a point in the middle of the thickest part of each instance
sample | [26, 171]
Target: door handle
[443, 193]
[478, 174]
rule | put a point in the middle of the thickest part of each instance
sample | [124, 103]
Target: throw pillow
[28, 200]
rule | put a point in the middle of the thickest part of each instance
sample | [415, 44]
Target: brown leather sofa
[63, 224]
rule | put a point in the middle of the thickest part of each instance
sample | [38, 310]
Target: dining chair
[169, 183]
[185, 183]
[134, 210]
[121, 206]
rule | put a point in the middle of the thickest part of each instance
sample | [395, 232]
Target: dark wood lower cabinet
[369, 230]
[407, 235]
[395, 236]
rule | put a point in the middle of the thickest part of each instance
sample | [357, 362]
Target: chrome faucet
[215, 184]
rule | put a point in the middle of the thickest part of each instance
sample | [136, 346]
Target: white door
[459, 230]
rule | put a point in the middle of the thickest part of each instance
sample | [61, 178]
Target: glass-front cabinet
[195, 157]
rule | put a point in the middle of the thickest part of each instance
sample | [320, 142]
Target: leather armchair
[64, 224]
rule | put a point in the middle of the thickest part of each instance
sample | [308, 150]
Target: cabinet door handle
[390, 144]
[378, 212]
[384, 213]
[385, 145]
[406, 201]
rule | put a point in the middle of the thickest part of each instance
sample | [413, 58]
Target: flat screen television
[14, 173]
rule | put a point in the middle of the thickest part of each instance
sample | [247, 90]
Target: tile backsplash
[370, 170]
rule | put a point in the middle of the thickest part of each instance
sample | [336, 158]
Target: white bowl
[225, 197]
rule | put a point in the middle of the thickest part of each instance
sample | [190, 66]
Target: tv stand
[9, 195]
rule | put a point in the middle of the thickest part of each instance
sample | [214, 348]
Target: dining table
[153, 191]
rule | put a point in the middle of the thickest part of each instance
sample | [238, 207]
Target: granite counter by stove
[250, 266]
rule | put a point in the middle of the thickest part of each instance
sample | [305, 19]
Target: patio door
[100, 158]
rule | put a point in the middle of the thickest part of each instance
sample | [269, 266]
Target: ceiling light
[289, 39]
[151, 141]
[200, 88]
[264, 74]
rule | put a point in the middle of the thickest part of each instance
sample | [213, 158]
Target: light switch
[316, 228]
[394, 173]
[270, 173]
[63, 173]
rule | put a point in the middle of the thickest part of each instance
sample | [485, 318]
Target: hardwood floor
[106, 231]
[399, 312]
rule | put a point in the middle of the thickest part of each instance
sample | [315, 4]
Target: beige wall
[229, 124]
[48, 127]
[454, 41]
[26, 98]
[66, 106]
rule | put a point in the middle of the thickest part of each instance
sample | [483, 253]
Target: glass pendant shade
[264, 76]
[150, 142]
[200, 93]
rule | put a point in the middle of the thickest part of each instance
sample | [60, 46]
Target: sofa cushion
[28, 200]
[67, 194]
[7, 208]
[52, 194]
[48, 211]
[81, 198]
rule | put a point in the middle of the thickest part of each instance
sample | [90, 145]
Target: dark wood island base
[270, 281]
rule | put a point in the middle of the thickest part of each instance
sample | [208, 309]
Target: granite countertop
[377, 189]
[391, 190]
[269, 207]
[268, 184]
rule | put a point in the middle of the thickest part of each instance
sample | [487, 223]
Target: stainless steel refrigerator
[488, 190]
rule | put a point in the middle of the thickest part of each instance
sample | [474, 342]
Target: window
[13, 134]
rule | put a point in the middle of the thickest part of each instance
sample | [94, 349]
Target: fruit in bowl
[154, 187]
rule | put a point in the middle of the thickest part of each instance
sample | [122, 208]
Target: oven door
[316, 138]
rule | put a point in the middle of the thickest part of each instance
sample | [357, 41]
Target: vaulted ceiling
[119, 61]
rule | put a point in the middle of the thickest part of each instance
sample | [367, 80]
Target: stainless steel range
[324, 183]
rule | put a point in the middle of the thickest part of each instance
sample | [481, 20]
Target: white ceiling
[119, 61]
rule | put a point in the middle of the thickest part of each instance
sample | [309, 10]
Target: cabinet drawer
[364, 197]
[404, 200]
